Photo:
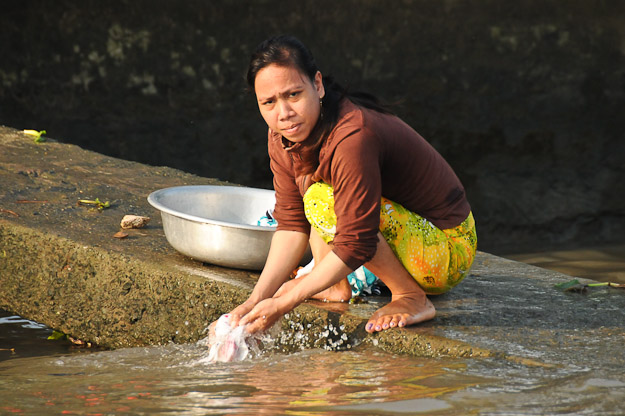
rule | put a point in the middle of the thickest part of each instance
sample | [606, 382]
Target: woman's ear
[319, 85]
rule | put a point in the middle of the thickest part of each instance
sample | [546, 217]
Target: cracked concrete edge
[115, 301]
[110, 299]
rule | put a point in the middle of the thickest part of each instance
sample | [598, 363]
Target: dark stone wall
[526, 100]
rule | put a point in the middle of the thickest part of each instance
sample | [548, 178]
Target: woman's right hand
[240, 311]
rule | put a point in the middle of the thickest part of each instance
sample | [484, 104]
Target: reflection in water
[159, 379]
[42, 376]
[171, 379]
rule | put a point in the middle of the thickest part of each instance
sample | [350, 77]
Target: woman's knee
[319, 210]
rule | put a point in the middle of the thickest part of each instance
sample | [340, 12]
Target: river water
[602, 263]
[41, 376]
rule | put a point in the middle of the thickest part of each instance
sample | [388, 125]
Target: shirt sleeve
[357, 183]
[289, 208]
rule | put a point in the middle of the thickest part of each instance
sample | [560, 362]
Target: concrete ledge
[61, 266]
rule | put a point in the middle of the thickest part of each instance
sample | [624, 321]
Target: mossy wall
[525, 99]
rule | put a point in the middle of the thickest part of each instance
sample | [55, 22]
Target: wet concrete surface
[60, 265]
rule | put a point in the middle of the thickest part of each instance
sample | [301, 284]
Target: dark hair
[288, 51]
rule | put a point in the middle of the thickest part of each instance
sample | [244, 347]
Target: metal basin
[217, 224]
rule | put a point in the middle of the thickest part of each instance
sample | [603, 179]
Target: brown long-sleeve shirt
[368, 154]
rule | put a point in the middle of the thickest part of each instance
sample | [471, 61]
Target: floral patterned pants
[437, 259]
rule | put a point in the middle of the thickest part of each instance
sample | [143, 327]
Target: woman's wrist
[263, 289]
[254, 298]
[287, 302]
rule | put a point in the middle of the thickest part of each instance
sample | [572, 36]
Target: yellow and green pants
[437, 259]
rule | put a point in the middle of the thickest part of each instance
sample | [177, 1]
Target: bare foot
[340, 292]
[401, 311]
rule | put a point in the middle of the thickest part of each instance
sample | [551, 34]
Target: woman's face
[288, 100]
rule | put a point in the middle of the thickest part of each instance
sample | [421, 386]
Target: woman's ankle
[340, 292]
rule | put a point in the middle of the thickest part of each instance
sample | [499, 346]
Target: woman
[358, 185]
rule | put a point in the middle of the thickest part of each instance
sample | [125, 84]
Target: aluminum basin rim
[153, 200]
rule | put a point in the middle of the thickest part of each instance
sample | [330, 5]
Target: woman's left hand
[264, 315]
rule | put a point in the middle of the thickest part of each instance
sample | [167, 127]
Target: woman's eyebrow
[292, 89]
[261, 99]
[285, 92]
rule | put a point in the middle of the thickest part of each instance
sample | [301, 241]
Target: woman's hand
[287, 248]
[240, 311]
[266, 313]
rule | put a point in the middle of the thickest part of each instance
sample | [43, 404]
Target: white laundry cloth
[231, 344]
